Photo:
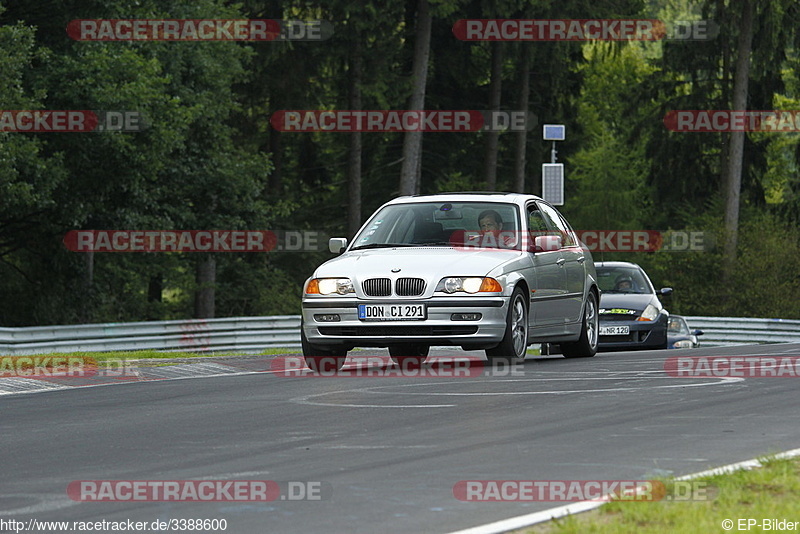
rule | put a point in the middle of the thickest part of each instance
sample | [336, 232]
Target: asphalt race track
[388, 450]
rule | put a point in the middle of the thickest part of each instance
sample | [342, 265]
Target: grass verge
[763, 496]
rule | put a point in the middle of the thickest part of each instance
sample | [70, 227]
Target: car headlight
[649, 314]
[683, 344]
[469, 284]
[329, 286]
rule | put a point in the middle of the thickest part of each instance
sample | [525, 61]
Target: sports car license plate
[615, 330]
[391, 312]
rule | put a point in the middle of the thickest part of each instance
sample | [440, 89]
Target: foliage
[210, 160]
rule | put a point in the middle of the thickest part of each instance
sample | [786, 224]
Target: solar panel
[553, 183]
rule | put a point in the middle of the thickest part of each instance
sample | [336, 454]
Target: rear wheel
[322, 360]
[586, 346]
[515, 341]
[409, 355]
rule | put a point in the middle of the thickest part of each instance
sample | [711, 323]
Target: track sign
[554, 132]
[553, 183]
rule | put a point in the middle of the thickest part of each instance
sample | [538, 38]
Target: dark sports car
[679, 335]
[631, 316]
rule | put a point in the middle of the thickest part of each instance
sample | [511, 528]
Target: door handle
[561, 261]
[581, 259]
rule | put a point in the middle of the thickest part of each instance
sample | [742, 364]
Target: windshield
[442, 224]
[623, 280]
[677, 325]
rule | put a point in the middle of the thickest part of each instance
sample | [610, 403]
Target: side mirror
[546, 243]
[665, 291]
[337, 244]
[697, 332]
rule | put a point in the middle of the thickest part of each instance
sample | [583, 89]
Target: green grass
[98, 357]
[769, 492]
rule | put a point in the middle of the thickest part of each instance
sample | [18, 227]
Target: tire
[322, 360]
[586, 346]
[409, 355]
[514, 345]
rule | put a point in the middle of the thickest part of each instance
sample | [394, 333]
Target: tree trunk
[354, 155]
[412, 141]
[206, 278]
[723, 16]
[520, 156]
[492, 137]
[733, 178]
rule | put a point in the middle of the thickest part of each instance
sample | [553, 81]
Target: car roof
[616, 264]
[467, 196]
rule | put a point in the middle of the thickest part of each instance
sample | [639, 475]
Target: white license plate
[391, 312]
[615, 330]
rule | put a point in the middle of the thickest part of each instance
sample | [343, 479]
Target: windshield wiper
[382, 245]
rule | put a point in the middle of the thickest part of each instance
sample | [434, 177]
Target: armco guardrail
[744, 330]
[257, 333]
[198, 335]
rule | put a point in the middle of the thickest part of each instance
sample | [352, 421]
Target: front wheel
[586, 346]
[514, 345]
[322, 360]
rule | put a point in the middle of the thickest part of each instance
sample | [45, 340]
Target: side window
[536, 222]
[554, 219]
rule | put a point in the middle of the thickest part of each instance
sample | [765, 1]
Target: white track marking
[376, 390]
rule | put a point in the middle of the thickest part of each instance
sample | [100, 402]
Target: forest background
[211, 160]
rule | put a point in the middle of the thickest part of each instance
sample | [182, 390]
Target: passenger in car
[491, 230]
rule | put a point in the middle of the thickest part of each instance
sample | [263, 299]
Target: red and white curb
[25, 385]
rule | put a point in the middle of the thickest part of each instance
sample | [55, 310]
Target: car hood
[630, 301]
[423, 262]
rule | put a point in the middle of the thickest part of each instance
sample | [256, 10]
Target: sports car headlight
[649, 314]
[329, 286]
[683, 344]
[470, 284]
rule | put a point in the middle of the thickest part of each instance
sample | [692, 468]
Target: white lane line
[306, 402]
[527, 520]
[514, 523]
[41, 504]
[310, 400]
[723, 380]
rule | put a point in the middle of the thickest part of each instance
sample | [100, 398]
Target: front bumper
[643, 335]
[438, 328]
